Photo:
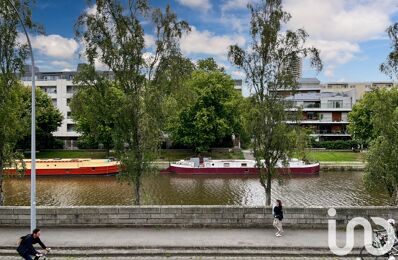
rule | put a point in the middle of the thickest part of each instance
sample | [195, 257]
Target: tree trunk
[394, 197]
[137, 200]
[1, 182]
[268, 188]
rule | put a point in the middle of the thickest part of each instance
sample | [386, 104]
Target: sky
[350, 34]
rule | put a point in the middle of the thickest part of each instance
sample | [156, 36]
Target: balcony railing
[323, 132]
[327, 106]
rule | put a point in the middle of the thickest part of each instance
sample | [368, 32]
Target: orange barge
[71, 167]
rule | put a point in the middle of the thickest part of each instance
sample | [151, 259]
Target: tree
[268, 64]
[382, 106]
[114, 36]
[48, 119]
[214, 113]
[12, 57]
[382, 166]
[95, 106]
[360, 118]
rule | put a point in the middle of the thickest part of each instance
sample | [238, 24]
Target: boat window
[226, 164]
[244, 164]
[212, 164]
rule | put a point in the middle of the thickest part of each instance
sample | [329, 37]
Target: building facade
[325, 107]
[60, 88]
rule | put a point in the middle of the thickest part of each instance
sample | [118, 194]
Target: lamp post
[33, 130]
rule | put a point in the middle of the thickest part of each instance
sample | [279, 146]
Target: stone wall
[185, 216]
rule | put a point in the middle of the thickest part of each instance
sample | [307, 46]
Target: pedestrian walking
[25, 246]
[277, 212]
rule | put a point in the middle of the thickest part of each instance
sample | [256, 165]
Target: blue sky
[349, 33]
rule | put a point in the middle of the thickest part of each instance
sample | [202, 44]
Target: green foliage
[390, 66]
[382, 165]
[48, 119]
[213, 115]
[360, 118]
[13, 54]
[335, 145]
[267, 64]
[95, 108]
[115, 36]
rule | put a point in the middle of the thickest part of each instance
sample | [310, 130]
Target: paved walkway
[152, 237]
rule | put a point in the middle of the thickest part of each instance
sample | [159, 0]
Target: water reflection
[327, 189]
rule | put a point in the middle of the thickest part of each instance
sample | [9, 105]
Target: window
[49, 89]
[335, 103]
[311, 104]
[312, 116]
[54, 100]
[69, 115]
[244, 165]
[68, 101]
[70, 89]
[226, 164]
[70, 127]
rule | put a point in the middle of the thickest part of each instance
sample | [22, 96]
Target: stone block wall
[186, 216]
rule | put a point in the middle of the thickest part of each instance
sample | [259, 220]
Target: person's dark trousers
[27, 256]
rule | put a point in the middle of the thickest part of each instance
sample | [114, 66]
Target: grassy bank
[167, 155]
[335, 156]
[174, 155]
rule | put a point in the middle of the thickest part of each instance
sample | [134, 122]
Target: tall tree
[268, 64]
[95, 106]
[213, 114]
[12, 57]
[360, 118]
[48, 119]
[382, 165]
[114, 35]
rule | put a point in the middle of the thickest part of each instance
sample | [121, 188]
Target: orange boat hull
[71, 167]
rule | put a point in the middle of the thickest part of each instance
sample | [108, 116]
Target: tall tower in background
[297, 68]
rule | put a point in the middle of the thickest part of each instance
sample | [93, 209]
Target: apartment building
[325, 107]
[59, 86]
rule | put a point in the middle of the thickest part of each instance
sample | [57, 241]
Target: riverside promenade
[179, 243]
[183, 232]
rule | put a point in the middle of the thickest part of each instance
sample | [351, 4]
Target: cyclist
[25, 247]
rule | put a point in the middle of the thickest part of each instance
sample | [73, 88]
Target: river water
[325, 189]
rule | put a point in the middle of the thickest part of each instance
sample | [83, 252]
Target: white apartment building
[59, 86]
[325, 107]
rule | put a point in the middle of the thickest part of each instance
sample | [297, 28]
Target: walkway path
[152, 242]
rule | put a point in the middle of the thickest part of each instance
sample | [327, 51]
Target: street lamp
[33, 131]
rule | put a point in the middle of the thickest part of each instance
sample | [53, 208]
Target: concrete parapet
[186, 216]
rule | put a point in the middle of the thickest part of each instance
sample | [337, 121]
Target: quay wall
[185, 216]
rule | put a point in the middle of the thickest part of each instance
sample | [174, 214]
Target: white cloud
[238, 74]
[149, 41]
[60, 63]
[205, 42]
[338, 52]
[91, 10]
[348, 20]
[234, 4]
[55, 46]
[337, 27]
[203, 5]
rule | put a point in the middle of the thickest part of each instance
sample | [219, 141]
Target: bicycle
[379, 240]
[43, 255]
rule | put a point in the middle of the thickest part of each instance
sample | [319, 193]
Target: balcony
[330, 133]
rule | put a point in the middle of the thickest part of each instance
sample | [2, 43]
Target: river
[325, 189]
